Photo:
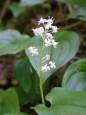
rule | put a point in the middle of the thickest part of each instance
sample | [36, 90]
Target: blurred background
[23, 15]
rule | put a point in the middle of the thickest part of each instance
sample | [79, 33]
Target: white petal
[47, 42]
[38, 31]
[47, 26]
[49, 36]
[42, 21]
[52, 64]
[50, 21]
[54, 43]
[45, 68]
[54, 29]
[33, 50]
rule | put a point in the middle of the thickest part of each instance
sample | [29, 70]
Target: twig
[71, 26]
[4, 9]
[70, 8]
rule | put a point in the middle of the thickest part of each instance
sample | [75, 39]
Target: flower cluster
[46, 31]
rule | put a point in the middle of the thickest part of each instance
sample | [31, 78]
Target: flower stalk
[41, 91]
[45, 31]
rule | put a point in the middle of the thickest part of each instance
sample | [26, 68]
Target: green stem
[41, 84]
[41, 91]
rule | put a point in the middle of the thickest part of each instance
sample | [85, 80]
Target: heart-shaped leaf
[12, 42]
[64, 102]
[64, 51]
[75, 76]
[26, 77]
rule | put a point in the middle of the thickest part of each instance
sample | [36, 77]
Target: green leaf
[16, 9]
[9, 101]
[1, 101]
[12, 42]
[75, 76]
[64, 102]
[16, 114]
[28, 81]
[78, 14]
[81, 3]
[30, 2]
[65, 50]
[2, 26]
[23, 96]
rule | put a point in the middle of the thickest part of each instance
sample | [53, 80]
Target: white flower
[52, 64]
[33, 50]
[47, 42]
[46, 57]
[45, 21]
[50, 20]
[38, 31]
[48, 26]
[42, 21]
[50, 42]
[54, 29]
[54, 43]
[48, 23]
[45, 68]
[49, 36]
